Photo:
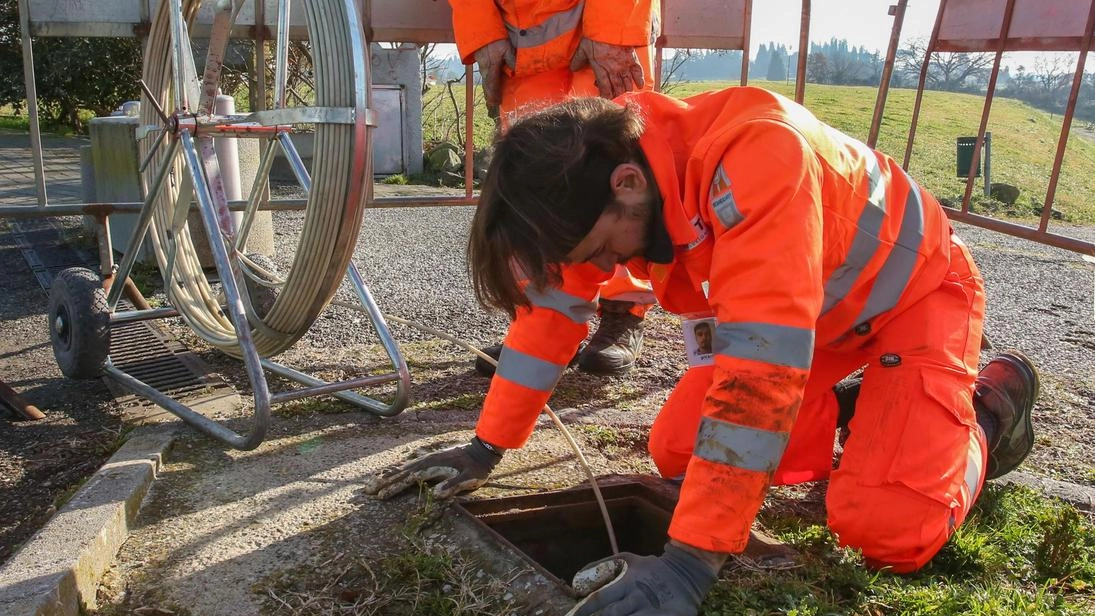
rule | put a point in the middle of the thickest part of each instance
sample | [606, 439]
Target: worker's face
[703, 337]
[621, 232]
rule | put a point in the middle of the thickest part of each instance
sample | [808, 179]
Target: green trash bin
[964, 150]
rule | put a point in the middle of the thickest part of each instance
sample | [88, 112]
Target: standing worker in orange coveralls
[814, 256]
[535, 53]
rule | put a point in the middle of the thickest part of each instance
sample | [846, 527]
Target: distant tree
[673, 68]
[72, 74]
[777, 66]
[431, 65]
[817, 67]
[760, 63]
[951, 71]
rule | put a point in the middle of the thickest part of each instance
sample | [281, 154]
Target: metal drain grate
[142, 349]
[146, 352]
[42, 242]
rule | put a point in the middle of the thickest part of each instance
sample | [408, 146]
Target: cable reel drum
[180, 165]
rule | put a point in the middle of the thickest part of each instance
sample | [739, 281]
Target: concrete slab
[57, 572]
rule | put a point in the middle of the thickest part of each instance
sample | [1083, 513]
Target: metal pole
[1062, 142]
[32, 104]
[1009, 10]
[803, 45]
[469, 127]
[920, 86]
[748, 21]
[898, 12]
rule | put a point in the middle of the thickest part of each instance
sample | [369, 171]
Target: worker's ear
[628, 179]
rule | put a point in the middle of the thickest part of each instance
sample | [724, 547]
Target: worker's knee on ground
[895, 527]
[669, 452]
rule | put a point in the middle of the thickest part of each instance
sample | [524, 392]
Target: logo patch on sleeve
[722, 199]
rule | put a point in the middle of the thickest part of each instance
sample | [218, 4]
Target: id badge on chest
[699, 338]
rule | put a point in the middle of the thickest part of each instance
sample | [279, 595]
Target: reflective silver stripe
[740, 446]
[897, 270]
[571, 306]
[865, 243]
[773, 344]
[524, 369]
[551, 28]
[972, 476]
[726, 209]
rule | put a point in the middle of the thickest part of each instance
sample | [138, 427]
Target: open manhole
[560, 532]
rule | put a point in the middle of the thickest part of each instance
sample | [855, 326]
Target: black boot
[617, 342]
[484, 368]
[1004, 398]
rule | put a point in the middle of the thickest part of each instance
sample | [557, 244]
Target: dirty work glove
[457, 469]
[616, 67]
[673, 583]
[491, 58]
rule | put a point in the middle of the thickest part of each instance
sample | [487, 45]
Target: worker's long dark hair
[548, 182]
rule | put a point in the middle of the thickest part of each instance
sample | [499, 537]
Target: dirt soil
[283, 530]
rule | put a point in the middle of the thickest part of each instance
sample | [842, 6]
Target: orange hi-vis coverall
[545, 35]
[816, 256]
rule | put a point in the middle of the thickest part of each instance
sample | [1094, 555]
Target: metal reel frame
[183, 154]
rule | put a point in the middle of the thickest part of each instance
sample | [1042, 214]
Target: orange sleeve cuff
[620, 23]
[474, 24]
[717, 506]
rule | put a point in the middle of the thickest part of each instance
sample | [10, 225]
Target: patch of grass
[421, 578]
[398, 179]
[146, 276]
[67, 494]
[599, 436]
[312, 406]
[1017, 554]
[16, 123]
[461, 402]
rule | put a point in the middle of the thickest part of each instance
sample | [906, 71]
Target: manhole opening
[561, 532]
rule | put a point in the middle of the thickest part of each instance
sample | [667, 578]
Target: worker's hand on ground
[491, 58]
[457, 469]
[616, 67]
[673, 583]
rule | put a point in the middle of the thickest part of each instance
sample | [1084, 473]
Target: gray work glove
[616, 67]
[491, 58]
[457, 469]
[673, 583]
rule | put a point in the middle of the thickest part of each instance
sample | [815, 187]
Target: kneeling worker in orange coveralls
[814, 256]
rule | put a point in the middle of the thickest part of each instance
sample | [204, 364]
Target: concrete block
[114, 159]
[58, 570]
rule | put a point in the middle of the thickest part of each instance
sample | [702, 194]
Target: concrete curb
[58, 570]
[1081, 497]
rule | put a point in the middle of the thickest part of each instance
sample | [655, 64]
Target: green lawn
[1024, 139]
[1017, 554]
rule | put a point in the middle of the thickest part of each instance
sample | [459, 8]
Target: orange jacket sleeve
[621, 22]
[475, 23]
[539, 345]
[766, 292]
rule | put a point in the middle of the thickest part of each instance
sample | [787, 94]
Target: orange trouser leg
[809, 453]
[914, 462]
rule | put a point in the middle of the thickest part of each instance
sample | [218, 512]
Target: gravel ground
[1040, 301]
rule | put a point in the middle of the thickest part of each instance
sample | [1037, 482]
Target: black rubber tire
[79, 323]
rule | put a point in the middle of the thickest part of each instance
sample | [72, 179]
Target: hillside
[1024, 140]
